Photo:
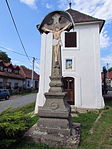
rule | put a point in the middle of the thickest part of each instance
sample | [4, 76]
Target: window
[28, 83]
[16, 71]
[9, 70]
[15, 85]
[68, 63]
[1, 84]
[70, 39]
[1, 68]
[8, 85]
[5, 69]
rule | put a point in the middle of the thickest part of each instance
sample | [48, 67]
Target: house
[16, 77]
[80, 52]
[108, 79]
[10, 76]
[27, 73]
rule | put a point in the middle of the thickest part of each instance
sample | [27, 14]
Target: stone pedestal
[54, 126]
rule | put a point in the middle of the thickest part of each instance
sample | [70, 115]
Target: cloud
[31, 3]
[97, 8]
[15, 62]
[5, 48]
[104, 40]
[107, 59]
[48, 6]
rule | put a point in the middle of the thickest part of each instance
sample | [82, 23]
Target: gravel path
[17, 101]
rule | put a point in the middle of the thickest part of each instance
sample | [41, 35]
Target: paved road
[17, 102]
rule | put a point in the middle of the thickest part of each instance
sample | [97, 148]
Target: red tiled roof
[16, 67]
[11, 75]
[109, 75]
[27, 73]
[23, 72]
[79, 17]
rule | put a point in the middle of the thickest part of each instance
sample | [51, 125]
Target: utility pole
[105, 83]
[107, 80]
[33, 63]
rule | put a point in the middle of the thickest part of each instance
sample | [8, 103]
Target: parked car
[4, 94]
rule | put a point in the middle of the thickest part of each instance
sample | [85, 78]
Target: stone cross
[54, 126]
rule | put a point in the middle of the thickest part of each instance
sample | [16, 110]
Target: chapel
[80, 54]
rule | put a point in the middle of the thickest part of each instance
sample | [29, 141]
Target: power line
[17, 29]
[36, 59]
[16, 52]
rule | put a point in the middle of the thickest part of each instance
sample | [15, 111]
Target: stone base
[70, 142]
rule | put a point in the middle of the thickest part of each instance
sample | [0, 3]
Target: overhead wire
[11, 50]
[37, 60]
[13, 20]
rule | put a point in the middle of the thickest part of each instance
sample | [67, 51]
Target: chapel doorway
[68, 85]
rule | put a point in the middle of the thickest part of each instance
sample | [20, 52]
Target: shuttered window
[70, 39]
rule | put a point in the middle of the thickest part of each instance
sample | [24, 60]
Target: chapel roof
[79, 17]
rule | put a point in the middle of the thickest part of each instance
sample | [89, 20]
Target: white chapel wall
[86, 67]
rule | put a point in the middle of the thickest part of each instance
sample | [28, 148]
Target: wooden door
[68, 84]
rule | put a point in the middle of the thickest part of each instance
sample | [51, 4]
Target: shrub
[13, 124]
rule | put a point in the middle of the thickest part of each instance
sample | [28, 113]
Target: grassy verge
[31, 145]
[27, 109]
[86, 120]
[102, 134]
[101, 138]
[25, 93]
[13, 124]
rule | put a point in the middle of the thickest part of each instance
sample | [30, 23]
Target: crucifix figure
[56, 38]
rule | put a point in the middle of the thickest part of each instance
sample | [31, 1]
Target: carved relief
[56, 28]
[54, 106]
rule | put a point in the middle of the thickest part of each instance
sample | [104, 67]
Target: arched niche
[56, 19]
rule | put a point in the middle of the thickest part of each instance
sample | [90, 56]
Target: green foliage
[31, 145]
[4, 57]
[86, 120]
[110, 69]
[102, 134]
[108, 101]
[27, 109]
[14, 123]
[100, 139]
[25, 92]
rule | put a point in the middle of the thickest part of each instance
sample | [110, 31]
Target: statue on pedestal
[54, 126]
[56, 38]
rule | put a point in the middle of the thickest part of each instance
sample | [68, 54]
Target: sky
[29, 13]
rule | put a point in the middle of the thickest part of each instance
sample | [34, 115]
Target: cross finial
[70, 4]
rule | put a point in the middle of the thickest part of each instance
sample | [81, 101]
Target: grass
[101, 138]
[31, 145]
[102, 135]
[28, 109]
[27, 92]
[86, 120]
[13, 124]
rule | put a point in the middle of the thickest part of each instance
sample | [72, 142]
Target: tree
[4, 57]
[110, 69]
